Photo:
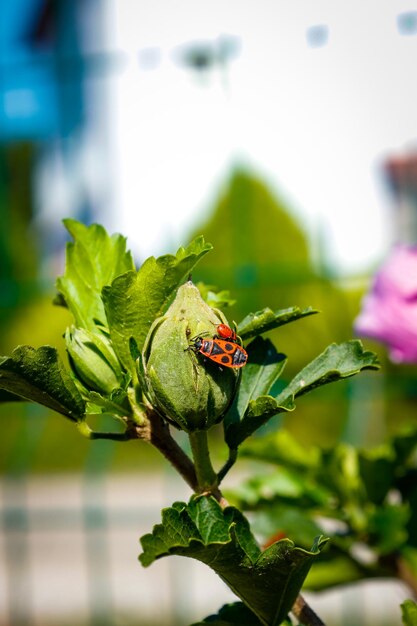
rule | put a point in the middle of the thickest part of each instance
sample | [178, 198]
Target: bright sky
[315, 122]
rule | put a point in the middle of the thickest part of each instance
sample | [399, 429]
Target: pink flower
[389, 312]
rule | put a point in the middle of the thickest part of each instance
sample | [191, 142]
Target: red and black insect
[225, 332]
[223, 352]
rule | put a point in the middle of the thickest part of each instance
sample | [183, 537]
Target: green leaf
[282, 448]
[409, 613]
[340, 473]
[265, 320]
[6, 396]
[38, 375]
[263, 368]
[276, 520]
[404, 444]
[387, 527]
[281, 485]
[409, 494]
[267, 582]
[215, 298]
[235, 614]
[339, 570]
[376, 469]
[107, 405]
[337, 362]
[93, 260]
[134, 300]
[257, 414]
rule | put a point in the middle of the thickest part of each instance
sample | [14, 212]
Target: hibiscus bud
[189, 390]
[93, 360]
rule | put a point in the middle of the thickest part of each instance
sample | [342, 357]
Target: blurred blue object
[41, 69]
[317, 35]
[202, 55]
[407, 23]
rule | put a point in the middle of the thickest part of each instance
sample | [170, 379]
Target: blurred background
[271, 128]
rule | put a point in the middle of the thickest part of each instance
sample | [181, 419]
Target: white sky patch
[317, 122]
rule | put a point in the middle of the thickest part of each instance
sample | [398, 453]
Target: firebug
[221, 351]
[225, 332]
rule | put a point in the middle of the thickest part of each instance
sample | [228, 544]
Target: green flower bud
[93, 360]
[190, 391]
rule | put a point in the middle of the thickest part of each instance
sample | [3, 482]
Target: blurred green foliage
[366, 499]
[33, 438]
[262, 255]
[18, 249]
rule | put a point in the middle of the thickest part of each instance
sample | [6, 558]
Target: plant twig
[157, 432]
[304, 613]
[228, 465]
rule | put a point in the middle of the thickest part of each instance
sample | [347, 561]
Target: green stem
[138, 409]
[206, 476]
[86, 431]
[228, 465]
